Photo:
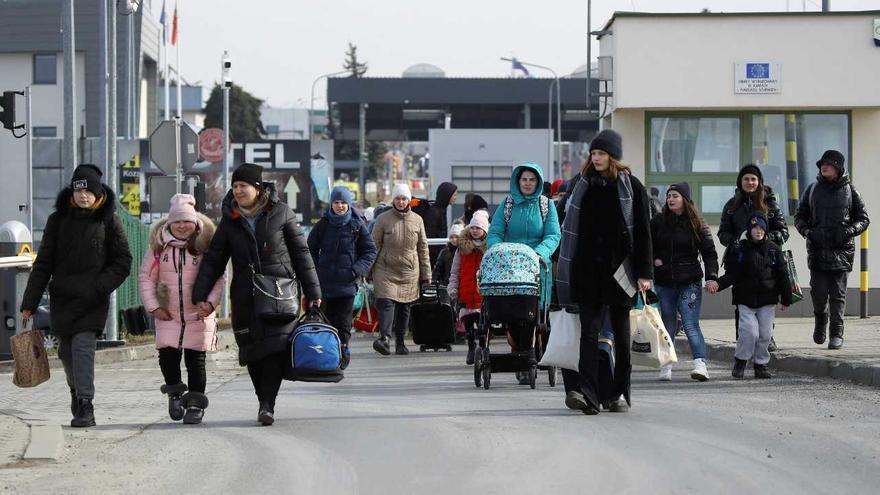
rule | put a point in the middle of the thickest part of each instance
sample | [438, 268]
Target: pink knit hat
[481, 220]
[183, 209]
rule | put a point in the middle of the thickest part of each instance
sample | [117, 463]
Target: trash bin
[15, 267]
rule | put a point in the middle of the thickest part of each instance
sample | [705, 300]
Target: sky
[279, 47]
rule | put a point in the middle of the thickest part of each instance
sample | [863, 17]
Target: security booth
[16, 260]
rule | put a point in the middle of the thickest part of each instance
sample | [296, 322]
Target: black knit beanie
[249, 173]
[610, 142]
[87, 176]
[749, 169]
[682, 188]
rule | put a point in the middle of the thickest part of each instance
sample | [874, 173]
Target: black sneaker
[619, 406]
[820, 329]
[576, 401]
[739, 368]
[470, 357]
[400, 349]
[345, 358]
[85, 414]
[266, 416]
[381, 346]
[762, 371]
[835, 343]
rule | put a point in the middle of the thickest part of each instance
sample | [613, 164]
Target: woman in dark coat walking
[343, 251]
[604, 259]
[261, 235]
[83, 258]
[751, 197]
[680, 237]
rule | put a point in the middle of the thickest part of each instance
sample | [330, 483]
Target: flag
[518, 66]
[174, 27]
[163, 23]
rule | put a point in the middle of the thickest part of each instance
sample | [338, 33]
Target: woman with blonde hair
[604, 260]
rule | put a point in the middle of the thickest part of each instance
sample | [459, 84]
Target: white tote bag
[564, 345]
[651, 345]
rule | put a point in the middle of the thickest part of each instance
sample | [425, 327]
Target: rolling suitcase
[432, 319]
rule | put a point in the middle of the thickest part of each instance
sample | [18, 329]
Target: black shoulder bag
[276, 299]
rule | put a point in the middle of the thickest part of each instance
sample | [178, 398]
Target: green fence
[128, 294]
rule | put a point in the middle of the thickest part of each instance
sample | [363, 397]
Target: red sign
[211, 145]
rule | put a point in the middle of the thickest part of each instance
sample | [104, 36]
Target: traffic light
[7, 109]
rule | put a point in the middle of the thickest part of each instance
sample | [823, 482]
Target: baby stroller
[510, 285]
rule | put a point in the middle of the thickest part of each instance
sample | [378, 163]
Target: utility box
[15, 264]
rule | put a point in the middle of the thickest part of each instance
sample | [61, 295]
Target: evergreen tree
[244, 114]
[351, 64]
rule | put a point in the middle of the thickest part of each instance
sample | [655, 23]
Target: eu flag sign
[757, 71]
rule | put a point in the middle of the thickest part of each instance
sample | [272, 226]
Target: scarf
[336, 219]
[254, 211]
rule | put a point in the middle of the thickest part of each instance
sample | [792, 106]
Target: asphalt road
[417, 424]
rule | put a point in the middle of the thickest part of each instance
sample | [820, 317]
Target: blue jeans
[684, 301]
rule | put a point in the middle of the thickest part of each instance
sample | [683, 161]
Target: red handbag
[367, 319]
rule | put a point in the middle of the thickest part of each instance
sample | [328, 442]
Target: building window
[707, 151]
[45, 132]
[492, 182]
[45, 69]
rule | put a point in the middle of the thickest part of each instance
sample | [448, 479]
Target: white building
[697, 96]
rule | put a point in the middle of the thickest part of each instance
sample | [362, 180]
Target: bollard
[863, 286]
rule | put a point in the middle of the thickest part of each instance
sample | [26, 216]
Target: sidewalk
[858, 361]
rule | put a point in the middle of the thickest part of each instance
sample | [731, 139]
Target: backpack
[543, 201]
[315, 350]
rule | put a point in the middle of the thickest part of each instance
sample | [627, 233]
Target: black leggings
[266, 375]
[471, 322]
[169, 362]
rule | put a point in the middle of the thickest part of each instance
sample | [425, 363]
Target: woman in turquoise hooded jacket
[528, 224]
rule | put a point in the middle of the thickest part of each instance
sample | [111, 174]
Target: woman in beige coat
[402, 265]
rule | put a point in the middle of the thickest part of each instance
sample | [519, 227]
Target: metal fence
[128, 294]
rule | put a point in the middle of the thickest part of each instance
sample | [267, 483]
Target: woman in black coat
[83, 258]
[257, 231]
[680, 237]
[604, 259]
[751, 197]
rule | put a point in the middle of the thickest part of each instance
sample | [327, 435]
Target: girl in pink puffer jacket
[167, 274]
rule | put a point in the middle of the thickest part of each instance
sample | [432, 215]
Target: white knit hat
[481, 220]
[401, 190]
[456, 229]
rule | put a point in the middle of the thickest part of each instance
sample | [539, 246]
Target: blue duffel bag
[315, 350]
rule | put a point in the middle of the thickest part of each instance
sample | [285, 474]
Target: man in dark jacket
[433, 213]
[83, 258]
[344, 252]
[830, 215]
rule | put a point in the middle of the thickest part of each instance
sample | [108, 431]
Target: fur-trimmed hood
[467, 245]
[206, 233]
[63, 206]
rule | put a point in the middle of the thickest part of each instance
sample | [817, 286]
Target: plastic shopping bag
[564, 344]
[651, 345]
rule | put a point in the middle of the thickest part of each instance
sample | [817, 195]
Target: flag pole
[165, 57]
[179, 72]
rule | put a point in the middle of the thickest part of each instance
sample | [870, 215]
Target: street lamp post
[551, 167]
[312, 98]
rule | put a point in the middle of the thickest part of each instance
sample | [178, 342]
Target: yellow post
[863, 286]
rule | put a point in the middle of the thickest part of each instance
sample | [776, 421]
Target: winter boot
[821, 328]
[739, 368]
[576, 401]
[400, 349]
[345, 357]
[762, 371]
[666, 373]
[195, 404]
[85, 414]
[266, 415]
[619, 406]
[700, 373]
[835, 340]
[175, 408]
[381, 346]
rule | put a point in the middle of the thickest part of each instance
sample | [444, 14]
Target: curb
[225, 340]
[816, 366]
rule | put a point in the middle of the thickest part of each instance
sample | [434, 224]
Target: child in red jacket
[463, 276]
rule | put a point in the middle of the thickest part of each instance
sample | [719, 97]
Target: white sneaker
[700, 372]
[666, 373]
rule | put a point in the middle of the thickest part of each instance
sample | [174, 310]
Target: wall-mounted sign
[758, 78]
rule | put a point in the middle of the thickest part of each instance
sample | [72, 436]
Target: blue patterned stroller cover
[510, 268]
